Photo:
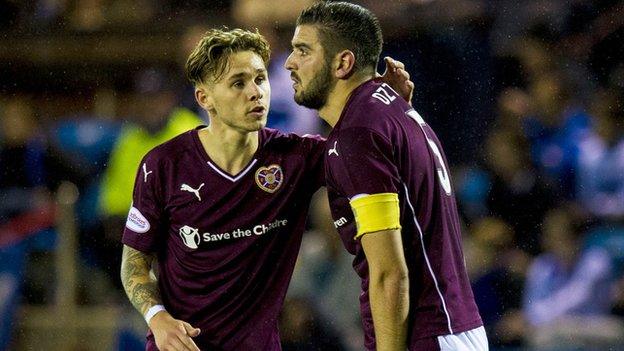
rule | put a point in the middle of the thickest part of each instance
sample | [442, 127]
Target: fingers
[410, 85]
[187, 343]
[176, 336]
[404, 74]
[396, 67]
[389, 63]
[175, 344]
[187, 331]
[178, 342]
[190, 331]
[395, 64]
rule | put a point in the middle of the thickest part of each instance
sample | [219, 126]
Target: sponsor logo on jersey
[340, 222]
[270, 178]
[136, 221]
[190, 236]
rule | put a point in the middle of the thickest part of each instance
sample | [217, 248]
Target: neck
[339, 96]
[230, 149]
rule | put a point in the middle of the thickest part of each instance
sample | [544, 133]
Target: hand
[172, 334]
[397, 77]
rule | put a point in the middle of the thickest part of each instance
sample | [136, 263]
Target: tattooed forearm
[142, 291]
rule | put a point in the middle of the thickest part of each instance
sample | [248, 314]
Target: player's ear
[345, 64]
[204, 98]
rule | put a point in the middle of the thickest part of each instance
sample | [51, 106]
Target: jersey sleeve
[360, 161]
[314, 149]
[144, 224]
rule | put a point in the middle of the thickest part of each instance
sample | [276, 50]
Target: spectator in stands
[554, 129]
[497, 270]
[568, 288]
[31, 170]
[601, 160]
[474, 182]
[517, 194]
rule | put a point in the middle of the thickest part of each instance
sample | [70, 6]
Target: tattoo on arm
[141, 289]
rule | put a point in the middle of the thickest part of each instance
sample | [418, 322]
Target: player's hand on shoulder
[398, 78]
[173, 334]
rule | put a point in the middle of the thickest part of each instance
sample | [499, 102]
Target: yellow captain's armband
[376, 212]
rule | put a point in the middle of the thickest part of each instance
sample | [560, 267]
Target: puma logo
[145, 173]
[186, 187]
[334, 150]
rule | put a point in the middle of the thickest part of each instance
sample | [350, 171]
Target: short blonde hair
[210, 56]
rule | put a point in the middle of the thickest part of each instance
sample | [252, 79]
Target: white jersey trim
[358, 196]
[422, 243]
[240, 174]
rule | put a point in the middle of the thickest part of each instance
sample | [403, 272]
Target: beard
[315, 95]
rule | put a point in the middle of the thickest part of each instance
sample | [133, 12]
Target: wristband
[152, 312]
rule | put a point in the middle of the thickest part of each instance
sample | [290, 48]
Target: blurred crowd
[526, 96]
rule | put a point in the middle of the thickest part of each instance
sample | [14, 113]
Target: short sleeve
[314, 150]
[360, 161]
[144, 224]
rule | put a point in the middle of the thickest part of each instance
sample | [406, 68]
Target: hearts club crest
[270, 178]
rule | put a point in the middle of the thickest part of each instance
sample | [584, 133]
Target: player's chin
[299, 97]
[257, 124]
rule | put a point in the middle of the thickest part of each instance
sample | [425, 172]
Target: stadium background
[526, 96]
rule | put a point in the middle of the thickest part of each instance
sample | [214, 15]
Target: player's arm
[142, 291]
[377, 218]
[364, 170]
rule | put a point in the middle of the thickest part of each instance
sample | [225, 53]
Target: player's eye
[300, 50]
[260, 79]
[238, 84]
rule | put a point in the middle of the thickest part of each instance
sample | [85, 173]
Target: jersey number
[382, 94]
[443, 175]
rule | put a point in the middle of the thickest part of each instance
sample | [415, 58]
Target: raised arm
[143, 293]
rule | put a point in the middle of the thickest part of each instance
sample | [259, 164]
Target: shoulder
[356, 139]
[374, 106]
[291, 142]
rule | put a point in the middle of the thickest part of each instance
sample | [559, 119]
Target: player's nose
[256, 92]
[289, 64]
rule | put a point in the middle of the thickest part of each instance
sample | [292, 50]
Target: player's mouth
[295, 80]
[258, 111]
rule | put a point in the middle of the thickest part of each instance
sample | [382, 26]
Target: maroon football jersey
[226, 244]
[381, 145]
